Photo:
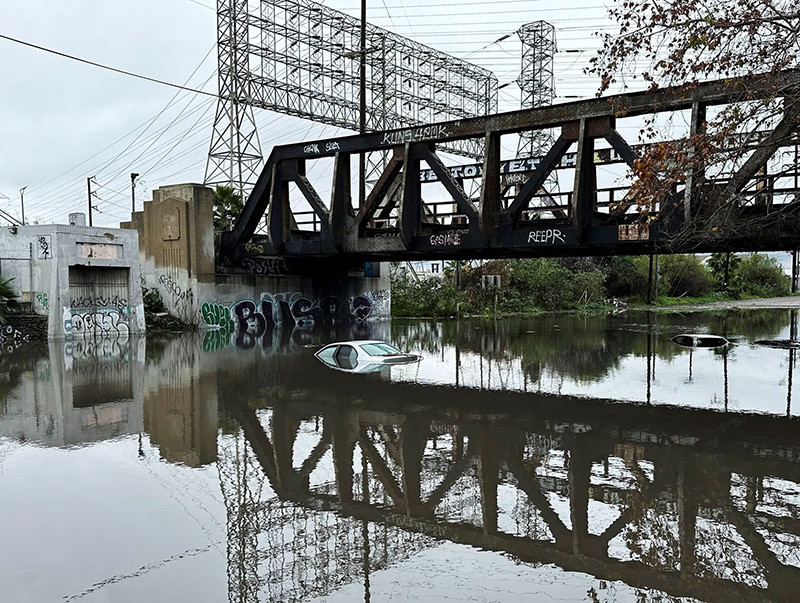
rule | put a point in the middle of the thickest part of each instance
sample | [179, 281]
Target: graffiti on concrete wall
[218, 318]
[44, 250]
[100, 324]
[246, 321]
[42, 302]
[118, 302]
[265, 265]
[66, 316]
[11, 338]
[381, 302]
[179, 300]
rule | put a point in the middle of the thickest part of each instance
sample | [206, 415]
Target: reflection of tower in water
[286, 551]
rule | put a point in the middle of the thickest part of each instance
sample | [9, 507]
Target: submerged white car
[363, 356]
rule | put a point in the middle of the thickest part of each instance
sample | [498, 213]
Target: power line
[106, 67]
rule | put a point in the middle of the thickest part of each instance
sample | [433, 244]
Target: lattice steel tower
[536, 81]
[234, 158]
[302, 58]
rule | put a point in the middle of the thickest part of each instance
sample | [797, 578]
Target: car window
[380, 349]
[327, 354]
[346, 357]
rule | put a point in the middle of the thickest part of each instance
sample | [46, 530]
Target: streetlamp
[22, 203]
[133, 192]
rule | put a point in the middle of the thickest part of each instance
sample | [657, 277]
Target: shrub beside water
[534, 285]
[759, 276]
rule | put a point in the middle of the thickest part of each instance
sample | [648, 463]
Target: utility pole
[362, 117]
[22, 203]
[133, 192]
[89, 188]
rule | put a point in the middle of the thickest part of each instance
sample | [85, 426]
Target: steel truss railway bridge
[425, 204]
[686, 484]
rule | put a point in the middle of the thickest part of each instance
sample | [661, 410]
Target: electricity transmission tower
[302, 58]
[234, 158]
[536, 81]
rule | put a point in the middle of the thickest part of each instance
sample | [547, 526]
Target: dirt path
[741, 304]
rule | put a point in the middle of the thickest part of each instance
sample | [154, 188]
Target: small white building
[87, 281]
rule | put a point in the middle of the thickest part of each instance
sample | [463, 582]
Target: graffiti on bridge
[252, 320]
[265, 265]
[182, 299]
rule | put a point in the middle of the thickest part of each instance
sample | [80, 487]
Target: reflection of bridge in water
[689, 502]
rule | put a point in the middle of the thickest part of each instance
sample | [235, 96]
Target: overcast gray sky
[60, 120]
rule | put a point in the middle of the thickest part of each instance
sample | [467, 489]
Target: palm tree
[8, 299]
[227, 207]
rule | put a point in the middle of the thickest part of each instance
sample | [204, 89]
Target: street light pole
[22, 203]
[89, 189]
[133, 192]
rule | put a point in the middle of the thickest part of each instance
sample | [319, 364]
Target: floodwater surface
[551, 459]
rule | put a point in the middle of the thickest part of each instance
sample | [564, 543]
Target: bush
[759, 276]
[683, 275]
[716, 264]
[153, 304]
[626, 276]
[545, 282]
[429, 297]
[549, 285]
[588, 287]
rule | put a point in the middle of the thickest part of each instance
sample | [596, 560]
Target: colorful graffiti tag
[218, 318]
[252, 320]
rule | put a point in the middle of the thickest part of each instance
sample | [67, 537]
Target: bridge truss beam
[398, 222]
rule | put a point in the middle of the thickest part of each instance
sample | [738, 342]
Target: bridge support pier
[266, 294]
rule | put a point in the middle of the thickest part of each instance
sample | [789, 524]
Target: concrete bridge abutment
[177, 254]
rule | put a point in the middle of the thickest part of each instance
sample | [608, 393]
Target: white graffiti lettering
[550, 236]
[311, 148]
[414, 134]
[100, 324]
[450, 238]
[332, 146]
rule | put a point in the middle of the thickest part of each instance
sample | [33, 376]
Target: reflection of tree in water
[585, 349]
[580, 348]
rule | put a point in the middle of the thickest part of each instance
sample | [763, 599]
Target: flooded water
[558, 458]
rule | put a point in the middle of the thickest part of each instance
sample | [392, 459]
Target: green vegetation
[585, 285]
[760, 276]
[227, 206]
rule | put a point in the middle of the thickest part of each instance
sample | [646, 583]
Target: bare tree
[731, 153]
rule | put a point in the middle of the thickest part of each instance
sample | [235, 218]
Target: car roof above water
[356, 342]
